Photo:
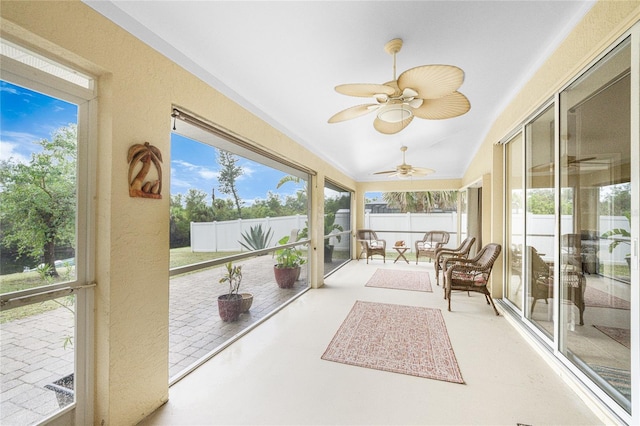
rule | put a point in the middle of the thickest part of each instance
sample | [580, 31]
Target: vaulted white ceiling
[282, 59]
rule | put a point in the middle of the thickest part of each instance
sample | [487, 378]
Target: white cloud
[7, 89]
[203, 172]
[17, 145]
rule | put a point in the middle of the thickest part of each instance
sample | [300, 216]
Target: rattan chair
[431, 241]
[371, 245]
[471, 274]
[443, 253]
[541, 282]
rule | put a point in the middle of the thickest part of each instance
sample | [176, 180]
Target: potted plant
[329, 227]
[230, 304]
[287, 268]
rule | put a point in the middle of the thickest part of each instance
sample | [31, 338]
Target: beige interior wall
[137, 89]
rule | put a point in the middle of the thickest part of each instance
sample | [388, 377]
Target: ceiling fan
[567, 161]
[405, 170]
[427, 91]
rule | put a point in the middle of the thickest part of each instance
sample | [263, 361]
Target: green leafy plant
[256, 238]
[233, 277]
[617, 232]
[289, 257]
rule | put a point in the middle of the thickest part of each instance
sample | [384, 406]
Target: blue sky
[27, 117]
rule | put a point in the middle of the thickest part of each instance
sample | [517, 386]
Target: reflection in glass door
[595, 175]
[540, 220]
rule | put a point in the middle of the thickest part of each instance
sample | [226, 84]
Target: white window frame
[16, 72]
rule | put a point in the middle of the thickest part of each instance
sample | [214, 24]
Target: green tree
[196, 209]
[295, 204]
[229, 173]
[616, 200]
[38, 199]
[179, 225]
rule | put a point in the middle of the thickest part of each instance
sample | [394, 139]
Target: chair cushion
[479, 279]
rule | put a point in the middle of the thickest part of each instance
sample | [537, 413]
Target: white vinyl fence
[225, 236]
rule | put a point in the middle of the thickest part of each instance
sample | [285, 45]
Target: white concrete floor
[274, 375]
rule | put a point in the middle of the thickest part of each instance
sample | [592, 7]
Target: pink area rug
[400, 339]
[400, 280]
[599, 299]
[620, 335]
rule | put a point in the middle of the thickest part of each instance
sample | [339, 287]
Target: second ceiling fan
[428, 92]
[405, 170]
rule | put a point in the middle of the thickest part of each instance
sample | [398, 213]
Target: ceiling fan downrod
[392, 47]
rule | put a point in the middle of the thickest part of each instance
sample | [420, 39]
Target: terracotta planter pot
[286, 277]
[229, 308]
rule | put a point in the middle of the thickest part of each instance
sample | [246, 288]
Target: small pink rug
[620, 335]
[599, 299]
[400, 280]
[400, 339]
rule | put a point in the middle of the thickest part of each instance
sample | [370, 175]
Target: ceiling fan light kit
[427, 92]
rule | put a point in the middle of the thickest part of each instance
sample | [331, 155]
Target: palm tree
[424, 201]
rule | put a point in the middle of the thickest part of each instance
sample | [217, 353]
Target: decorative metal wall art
[142, 156]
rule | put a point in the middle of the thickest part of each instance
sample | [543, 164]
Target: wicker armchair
[442, 254]
[371, 244]
[541, 279]
[432, 241]
[471, 274]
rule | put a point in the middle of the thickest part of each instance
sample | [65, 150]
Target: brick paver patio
[33, 353]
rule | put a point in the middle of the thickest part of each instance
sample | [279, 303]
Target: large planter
[328, 254]
[64, 390]
[286, 277]
[229, 308]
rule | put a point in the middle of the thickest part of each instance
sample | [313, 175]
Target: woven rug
[620, 335]
[599, 299]
[397, 338]
[617, 377]
[400, 280]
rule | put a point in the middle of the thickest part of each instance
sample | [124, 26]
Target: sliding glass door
[595, 176]
[569, 179]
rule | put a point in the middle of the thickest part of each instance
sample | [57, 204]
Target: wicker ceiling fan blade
[422, 171]
[352, 112]
[388, 128]
[364, 90]
[385, 172]
[452, 105]
[432, 81]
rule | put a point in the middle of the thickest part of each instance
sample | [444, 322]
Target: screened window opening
[239, 242]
